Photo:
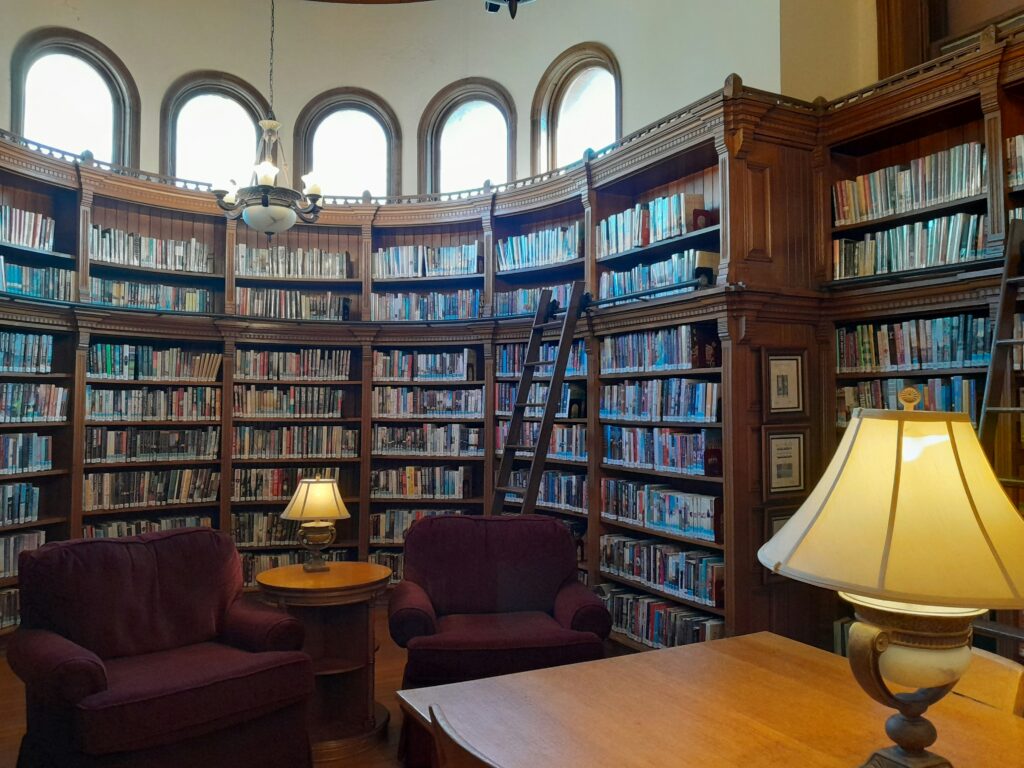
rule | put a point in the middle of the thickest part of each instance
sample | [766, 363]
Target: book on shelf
[19, 503]
[149, 488]
[303, 364]
[571, 401]
[666, 275]
[22, 402]
[957, 341]
[668, 399]
[397, 365]
[463, 304]
[413, 482]
[261, 529]
[154, 296]
[411, 401]
[538, 249]
[657, 623]
[11, 547]
[393, 560]
[257, 562]
[115, 246]
[145, 361]
[400, 261]
[956, 393]
[25, 352]
[25, 452]
[10, 608]
[1015, 213]
[568, 441]
[697, 575]
[661, 508]
[952, 239]
[309, 441]
[282, 261]
[1015, 160]
[140, 444]
[662, 349]
[645, 223]
[152, 403]
[524, 301]
[118, 529]
[428, 439]
[559, 489]
[50, 283]
[391, 525]
[664, 449]
[29, 229]
[941, 177]
[509, 359]
[290, 401]
[290, 304]
[273, 483]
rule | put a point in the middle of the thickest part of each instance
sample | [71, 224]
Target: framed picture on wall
[774, 518]
[785, 459]
[784, 392]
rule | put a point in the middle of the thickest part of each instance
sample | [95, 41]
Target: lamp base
[894, 757]
[315, 536]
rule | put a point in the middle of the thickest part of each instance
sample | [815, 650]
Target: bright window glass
[68, 105]
[473, 147]
[586, 115]
[214, 141]
[350, 154]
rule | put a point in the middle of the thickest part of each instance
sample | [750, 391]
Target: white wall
[670, 51]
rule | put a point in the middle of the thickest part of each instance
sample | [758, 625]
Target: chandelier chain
[273, 16]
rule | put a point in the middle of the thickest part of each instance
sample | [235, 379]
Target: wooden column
[490, 426]
[365, 443]
[78, 415]
[227, 415]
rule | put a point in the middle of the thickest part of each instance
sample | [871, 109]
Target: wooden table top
[343, 582]
[756, 700]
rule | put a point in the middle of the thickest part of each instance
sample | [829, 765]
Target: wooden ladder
[997, 408]
[546, 318]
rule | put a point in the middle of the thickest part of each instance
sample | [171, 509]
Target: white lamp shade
[269, 218]
[316, 499]
[908, 510]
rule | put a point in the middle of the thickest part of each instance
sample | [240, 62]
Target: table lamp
[911, 526]
[316, 503]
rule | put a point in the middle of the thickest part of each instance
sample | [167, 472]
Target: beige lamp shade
[909, 510]
[316, 498]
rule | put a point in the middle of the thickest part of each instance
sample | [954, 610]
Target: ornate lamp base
[894, 757]
[315, 536]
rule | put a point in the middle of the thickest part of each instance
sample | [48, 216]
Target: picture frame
[785, 461]
[774, 518]
[785, 391]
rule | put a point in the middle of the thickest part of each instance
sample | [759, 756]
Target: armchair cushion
[167, 696]
[257, 627]
[410, 613]
[576, 607]
[57, 670]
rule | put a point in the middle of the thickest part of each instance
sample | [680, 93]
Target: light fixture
[911, 526]
[493, 6]
[265, 205]
[316, 503]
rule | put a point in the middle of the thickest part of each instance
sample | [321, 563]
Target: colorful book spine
[428, 440]
[29, 229]
[662, 508]
[562, 490]
[149, 488]
[19, 503]
[463, 304]
[22, 402]
[664, 450]
[25, 352]
[645, 223]
[958, 341]
[538, 249]
[509, 359]
[152, 404]
[273, 483]
[312, 441]
[408, 402]
[38, 282]
[288, 401]
[114, 246]
[393, 560]
[282, 261]
[13, 545]
[140, 362]
[108, 445]
[957, 393]
[282, 304]
[666, 274]
[669, 399]
[523, 301]
[568, 441]
[664, 349]
[172, 298]
[118, 529]
[412, 482]
[391, 525]
[25, 452]
[658, 623]
[300, 365]
[402, 261]
[693, 574]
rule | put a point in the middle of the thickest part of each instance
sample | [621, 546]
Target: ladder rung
[1015, 280]
[510, 489]
[515, 447]
[1012, 482]
[548, 324]
[537, 363]
[531, 405]
[1010, 342]
[1004, 410]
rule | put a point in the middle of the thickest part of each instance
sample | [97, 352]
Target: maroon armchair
[140, 652]
[488, 596]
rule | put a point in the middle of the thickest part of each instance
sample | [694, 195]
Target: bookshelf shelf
[433, 280]
[9, 581]
[337, 283]
[506, 416]
[150, 273]
[580, 463]
[561, 269]
[976, 268]
[661, 593]
[22, 426]
[662, 473]
[247, 461]
[456, 458]
[551, 509]
[659, 374]
[706, 239]
[924, 373]
[645, 423]
[971, 202]
[152, 422]
[100, 381]
[443, 383]
[19, 376]
[663, 534]
[43, 474]
[442, 419]
[298, 419]
[425, 500]
[149, 509]
[40, 523]
[147, 463]
[628, 642]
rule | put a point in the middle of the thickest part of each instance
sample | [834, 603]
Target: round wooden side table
[336, 608]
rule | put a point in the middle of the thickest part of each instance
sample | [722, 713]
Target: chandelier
[493, 6]
[264, 205]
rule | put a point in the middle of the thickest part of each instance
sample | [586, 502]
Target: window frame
[551, 90]
[440, 108]
[200, 83]
[323, 105]
[124, 94]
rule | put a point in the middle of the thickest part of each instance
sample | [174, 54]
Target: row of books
[947, 240]
[273, 483]
[662, 508]
[401, 365]
[661, 400]
[116, 246]
[148, 488]
[282, 261]
[50, 283]
[523, 301]
[301, 401]
[10, 608]
[538, 249]
[425, 260]
[144, 361]
[22, 402]
[25, 452]
[429, 439]
[19, 503]
[657, 623]
[261, 529]
[509, 359]
[957, 393]
[257, 562]
[391, 525]
[403, 402]
[664, 450]
[941, 177]
[134, 295]
[568, 441]
[152, 404]
[118, 529]
[303, 364]
[677, 268]
[463, 304]
[693, 574]
[25, 352]
[28, 228]
[562, 490]
[505, 398]
[646, 223]
[313, 441]
[1018, 349]
[13, 545]
[412, 482]
[393, 560]
[956, 341]
[663, 349]
[134, 444]
[281, 304]
[1015, 160]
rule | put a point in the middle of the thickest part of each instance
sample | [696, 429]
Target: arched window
[467, 136]
[351, 140]
[209, 128]
[577, 106]
[70, 91]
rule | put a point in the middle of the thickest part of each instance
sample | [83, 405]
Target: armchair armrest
[54, 668]
[257, 627]
[410, 613]
[576, 607]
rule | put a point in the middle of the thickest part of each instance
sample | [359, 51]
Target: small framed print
[784, 397]
[785, 458]
[775, 518]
